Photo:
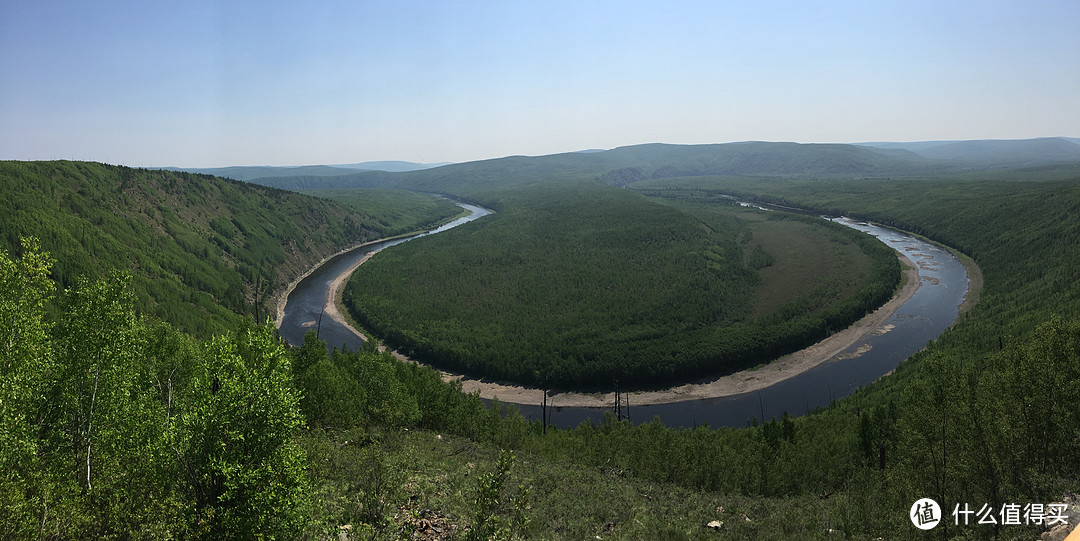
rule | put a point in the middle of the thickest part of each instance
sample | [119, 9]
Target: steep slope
[201, 249]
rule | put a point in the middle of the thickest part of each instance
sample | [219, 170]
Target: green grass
[809, 260]
[435, 476]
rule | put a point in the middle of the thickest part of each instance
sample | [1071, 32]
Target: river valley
[837, 369]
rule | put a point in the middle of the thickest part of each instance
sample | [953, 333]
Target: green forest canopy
[580, 284]
[201, 249]
[988, 413]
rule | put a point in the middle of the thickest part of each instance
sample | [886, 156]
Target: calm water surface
[303, 308]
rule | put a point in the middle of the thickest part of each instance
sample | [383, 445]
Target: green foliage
[578, 285]
[357, 482]
[984, 414]
[393, 212]
[240, 466]
[26, 364]
[487, 524]
[114, 447]
[112, 427]
[988, 413]
[999, 429]
[201, 250]
[348, 389]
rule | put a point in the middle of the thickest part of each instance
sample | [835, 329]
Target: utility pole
[618, 411]
[621, 412]
[543, 411]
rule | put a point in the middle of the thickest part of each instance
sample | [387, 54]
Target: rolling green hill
[620, 166]
[985, 154]
[201, 249]
[788, 160]
[986, 413]
[627, 164]
[253, 172]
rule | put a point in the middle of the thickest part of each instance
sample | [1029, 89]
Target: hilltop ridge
[623, 165]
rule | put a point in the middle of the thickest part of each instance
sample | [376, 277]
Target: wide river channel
[931, 310]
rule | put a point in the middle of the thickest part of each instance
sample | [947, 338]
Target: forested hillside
[113, 425]
[994, 153]
[576, 284]
[987, 412]
[201, 249]
[987, 415]
[620, 166]
[579, 284]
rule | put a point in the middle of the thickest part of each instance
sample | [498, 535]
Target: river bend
[931, 310]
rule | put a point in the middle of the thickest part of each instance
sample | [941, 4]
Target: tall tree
[240, 465]
[25, 363]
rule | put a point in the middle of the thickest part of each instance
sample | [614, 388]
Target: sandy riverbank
[334, 306]
[732, 384]
[284, 297]
[737, 383]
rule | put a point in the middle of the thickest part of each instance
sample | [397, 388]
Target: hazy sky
[213, 83]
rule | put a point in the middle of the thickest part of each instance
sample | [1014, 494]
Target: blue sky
[214, 83]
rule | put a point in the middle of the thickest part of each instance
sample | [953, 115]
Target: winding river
[931, 310]
[304, 304]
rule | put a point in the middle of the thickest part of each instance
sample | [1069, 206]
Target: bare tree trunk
[90, 424]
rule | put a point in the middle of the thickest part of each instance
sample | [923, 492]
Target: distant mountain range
[993, 152]
[624, 165]
[248, 173]
[391, 166]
